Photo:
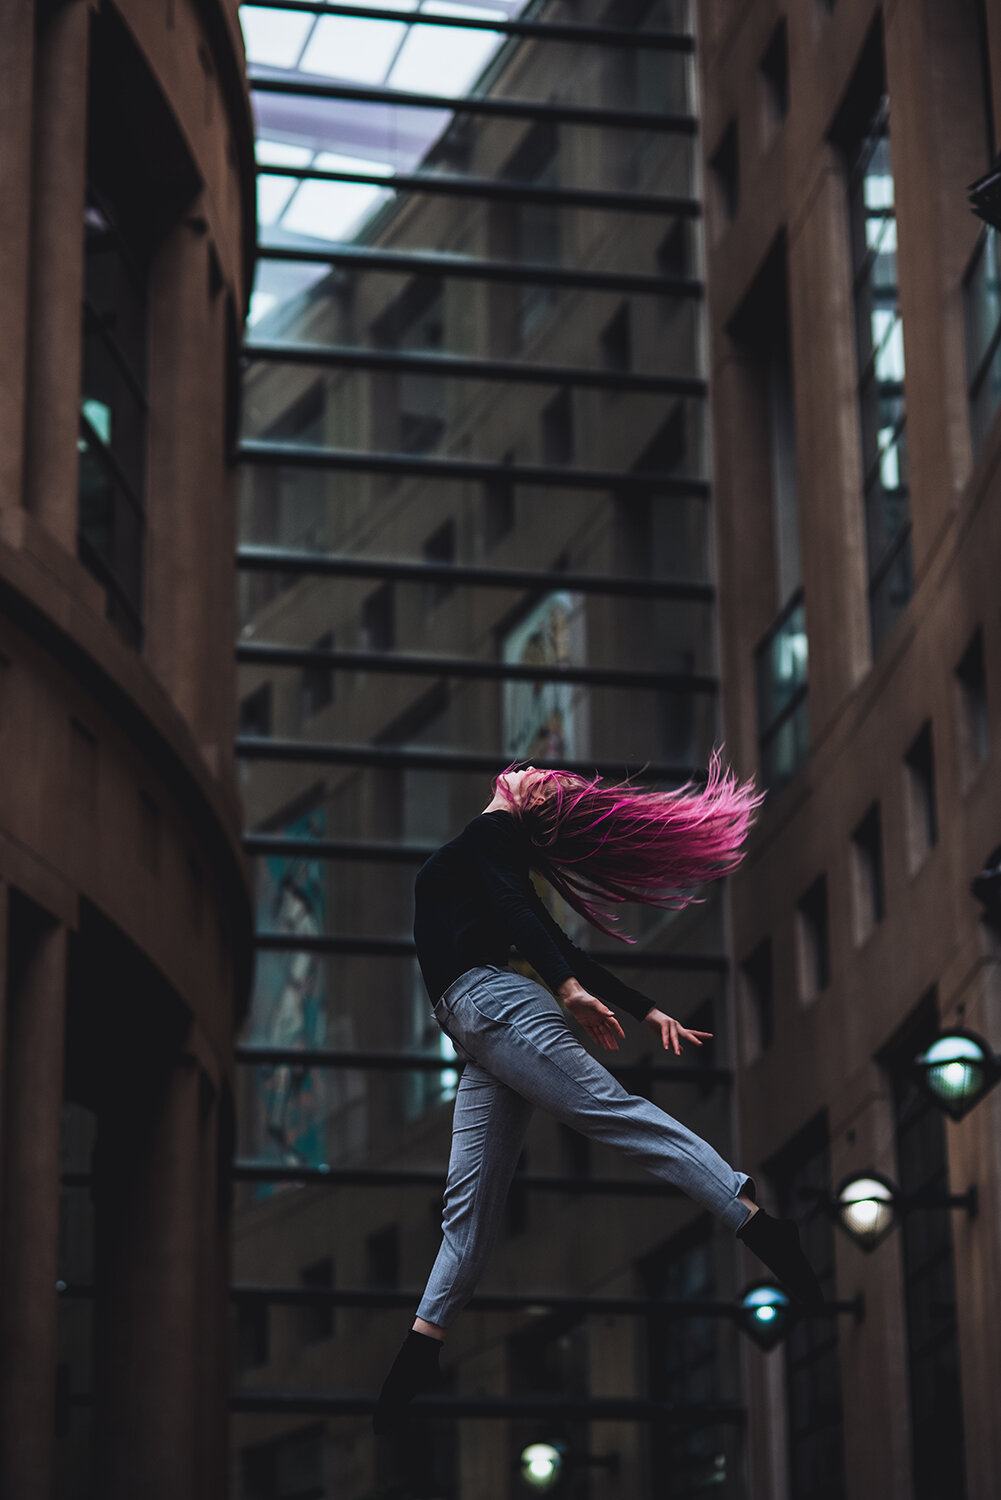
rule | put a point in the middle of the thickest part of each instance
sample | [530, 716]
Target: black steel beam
[412, 664]
[426, 466]
[543, 31]
[467, 267]
[400, 1062]
[477, 104]
[255, 558]
[391, 947]
[246, 1170]
[377, 852]
[417, 758]
[296, 1296]
[498, 190]
[506, 1408]
[464, 367]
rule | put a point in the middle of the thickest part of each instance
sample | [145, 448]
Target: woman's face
[519, 783]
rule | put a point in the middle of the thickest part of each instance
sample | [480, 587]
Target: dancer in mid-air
[595, 844]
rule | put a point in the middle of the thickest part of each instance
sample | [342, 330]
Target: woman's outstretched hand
[595, 1017]
[671, 1032]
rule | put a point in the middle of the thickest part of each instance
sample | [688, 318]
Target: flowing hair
[598, 844]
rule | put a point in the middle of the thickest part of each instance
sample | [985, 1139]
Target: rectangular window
[971, 695]
[815, 1421]
[686, 1362]
[759, 1000]
[813, 941]
[425, 1090]
[439, 548]
[867, 863]
[316, 689]
[255, 717]
[409, 413]
[111, 525]
[382, 1258]
[780, 662]
[378, 618]
[774, 66]
[929, 1273]
[982, 306]
[724, 166]
[499, 508]
[317, 1321]
[922, 813]
[616, 342]
[557, 430]
[880, 348]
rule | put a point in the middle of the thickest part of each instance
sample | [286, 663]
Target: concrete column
[29, 1233]
[56, 292]
[147, 1340]
[185, 389]
[17, 64]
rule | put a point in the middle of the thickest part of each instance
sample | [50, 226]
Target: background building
[474, 526]
[126, 245]
[857, 508]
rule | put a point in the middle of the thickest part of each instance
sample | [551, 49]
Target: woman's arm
[594, 978]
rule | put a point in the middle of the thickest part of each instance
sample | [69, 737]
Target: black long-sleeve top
[474, 898]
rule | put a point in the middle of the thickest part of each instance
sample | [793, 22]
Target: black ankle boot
[415, 1370]
[776, 1243]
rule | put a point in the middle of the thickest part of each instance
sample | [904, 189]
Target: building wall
[124, 891]
[866, 706]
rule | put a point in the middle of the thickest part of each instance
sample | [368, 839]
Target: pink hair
[612, 843]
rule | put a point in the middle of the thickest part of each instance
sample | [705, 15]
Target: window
[724, 167]
[774, 68]
[439, 548]
[317, 1318]
[982, 306]
[499, 511]
[929, 1273]
[557, 430]
[813, 941]
[252, 1334]
[285, 1468]
[684, 1364]
[616, 341]
[812, 1361]
[867, 863]
[531, 232]
[922, 814]
[382, 1258]
[759, 1002]
[317, 690]
[971, 694]
[112, 441]
[425, 1090]
[378, 632]
[781, 679]
[880, 351]
[410, 411]
[255, 712]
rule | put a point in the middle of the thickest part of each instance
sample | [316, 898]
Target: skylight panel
[281, 154]
[273, 194]
[349, 48]
[332, 210]
[443, 60]
[334, 161]
[274, 38]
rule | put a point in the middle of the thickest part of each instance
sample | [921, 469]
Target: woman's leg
[517, 1030]
[488, 1131]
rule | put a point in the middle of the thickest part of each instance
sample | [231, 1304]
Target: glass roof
[374, 139]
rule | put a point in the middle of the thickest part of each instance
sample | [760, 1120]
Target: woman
[474, 901]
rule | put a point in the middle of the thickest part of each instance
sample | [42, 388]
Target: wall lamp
[957, 1070]
[868, 1206]
[766, 1313]
[542, 1465]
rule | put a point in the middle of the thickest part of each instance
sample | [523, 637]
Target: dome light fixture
[542, 1466]
[766, 1313]
[957, 1070]
[867, 1207]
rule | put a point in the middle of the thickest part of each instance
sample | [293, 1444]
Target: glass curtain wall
[474, 527]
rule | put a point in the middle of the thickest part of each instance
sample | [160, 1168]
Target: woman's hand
[595, 1017]
[671, 1032]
